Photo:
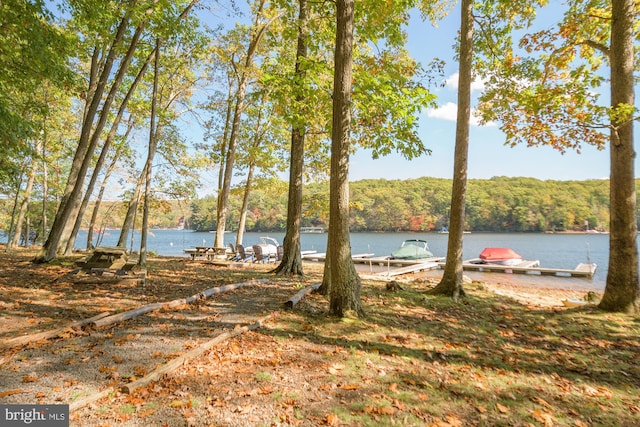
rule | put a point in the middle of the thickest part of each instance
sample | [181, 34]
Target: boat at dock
[412, 249]
[500, 256]
[403, 266]
[269, 246]
[313, 230]
[529, 267]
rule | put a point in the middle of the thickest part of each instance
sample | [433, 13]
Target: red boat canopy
[496, 254]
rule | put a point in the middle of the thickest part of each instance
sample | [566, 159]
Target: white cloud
[449, 111]
[452, 82]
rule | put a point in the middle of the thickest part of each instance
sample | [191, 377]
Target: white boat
[269, 246]
[412, 249]
[315, 230]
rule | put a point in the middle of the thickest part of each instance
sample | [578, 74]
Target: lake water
[552, 250]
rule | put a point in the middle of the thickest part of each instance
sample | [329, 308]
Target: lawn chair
[242, 254]
[231, 253]
[259, 256]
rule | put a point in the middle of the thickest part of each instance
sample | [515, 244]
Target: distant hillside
[497, 204]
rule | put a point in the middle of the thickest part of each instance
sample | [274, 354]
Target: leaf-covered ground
[414, 360]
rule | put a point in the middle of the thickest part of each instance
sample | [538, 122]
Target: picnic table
[110, 264]
[110, 257]
[208, 252]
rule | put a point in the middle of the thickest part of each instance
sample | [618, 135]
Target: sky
[488, 156]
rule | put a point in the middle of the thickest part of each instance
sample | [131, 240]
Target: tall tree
[548, 93]
[257, 31]
[345, 283]
[153, 144]
[64, 220]
[451, 283]
[622, 292]
[104, 152]
[291, 263]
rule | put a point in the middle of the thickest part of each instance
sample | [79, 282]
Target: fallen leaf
[503, 409]
[10, 393]
[140, 371]
[31, 378]
[333, 420]
[541, 401]
[176, 404]
[145, 413]
[335, 368]
[266, 390]
[379, 410]
[453, 420]
[349, 386]
[544, 417]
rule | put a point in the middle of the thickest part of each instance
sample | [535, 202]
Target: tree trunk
[225, 137]
[24, 207]
[75, 200]
[103, 187]
[45, 188]
[245, 205]
[12, 226]
[103, 154]
[345, 282]
[73, 190]
[291, 263]
[451, 282]
[129, 219]
[153, 143]
[223, 196]
[622, 290]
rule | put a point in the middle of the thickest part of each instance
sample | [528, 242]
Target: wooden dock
[404, 266]
[528, 267]
[371, 259]
[413, 268]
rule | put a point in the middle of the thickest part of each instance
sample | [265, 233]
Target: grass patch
[486, 360]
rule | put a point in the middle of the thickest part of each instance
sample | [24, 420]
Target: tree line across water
[422, 204]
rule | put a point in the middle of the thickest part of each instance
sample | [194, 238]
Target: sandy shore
[532, 290]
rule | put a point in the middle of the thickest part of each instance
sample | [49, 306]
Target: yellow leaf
[176, 404]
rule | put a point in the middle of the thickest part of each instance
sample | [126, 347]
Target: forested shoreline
[497, 204]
